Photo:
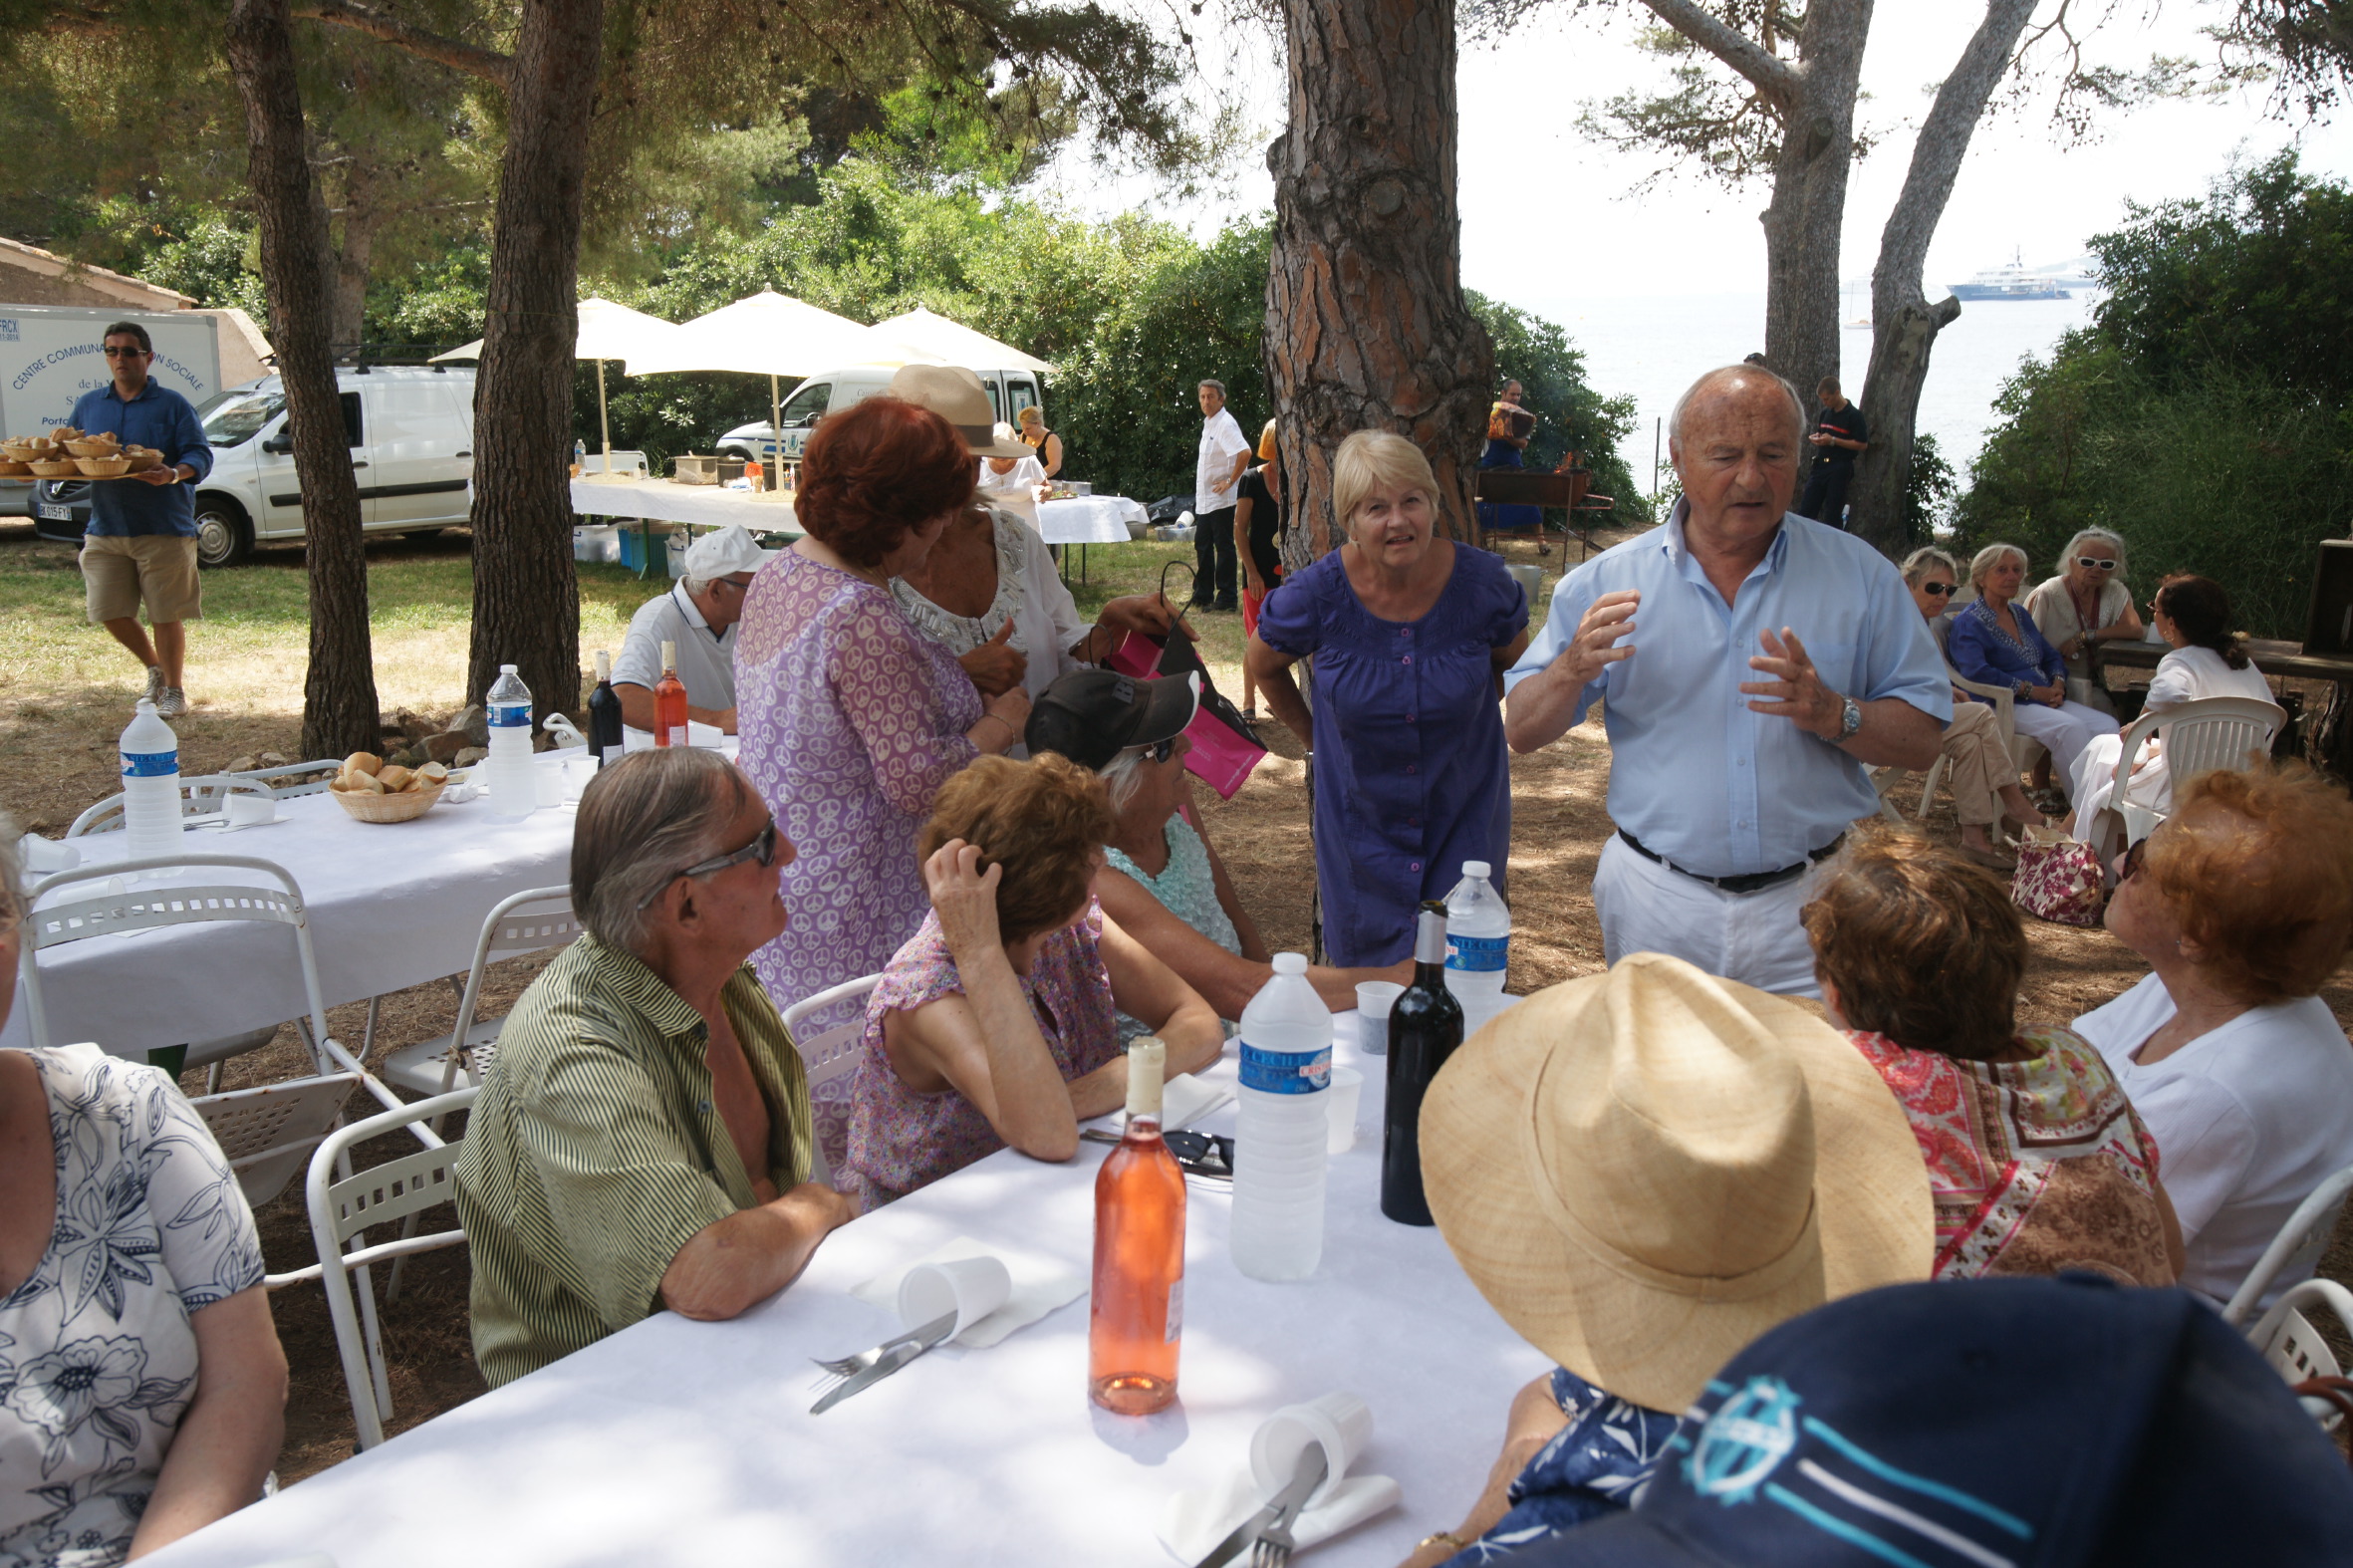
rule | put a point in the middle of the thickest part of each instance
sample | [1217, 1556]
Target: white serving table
[390, 906]
[704, 505]
[1089, 519]
[691, 1443]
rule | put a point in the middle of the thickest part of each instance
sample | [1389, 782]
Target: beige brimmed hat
[1645, 1169]
[956, 396]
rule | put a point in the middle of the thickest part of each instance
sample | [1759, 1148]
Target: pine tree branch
[1776, 77]
[487, 64]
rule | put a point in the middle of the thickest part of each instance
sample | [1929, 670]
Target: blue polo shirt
[157, 418]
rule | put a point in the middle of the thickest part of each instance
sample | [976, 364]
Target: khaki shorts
[118, 573]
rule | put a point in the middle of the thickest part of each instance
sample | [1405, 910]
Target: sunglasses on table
[762, 848]
[2094, 563]
[1939, 589]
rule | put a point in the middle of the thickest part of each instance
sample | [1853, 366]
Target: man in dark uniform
[1838, 434]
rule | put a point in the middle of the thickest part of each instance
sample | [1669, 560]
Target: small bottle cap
[1147, 1061]
[669, 656]
[506, 669]
[1478, 869]
[603, 666]
[1290, 963]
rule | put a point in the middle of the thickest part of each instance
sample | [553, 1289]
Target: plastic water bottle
[151, 825]
[1479, 939]
[514, 784]
[580, 456]
[1279, 1152]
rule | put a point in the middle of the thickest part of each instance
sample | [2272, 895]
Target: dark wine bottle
[1425, 1026]
[603, 713]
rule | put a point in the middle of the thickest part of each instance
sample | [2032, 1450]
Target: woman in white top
[2209, 660]
[2243, 903]
[2086, 603]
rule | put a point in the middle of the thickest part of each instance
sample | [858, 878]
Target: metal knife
[1280, 1509]
[899, 1355]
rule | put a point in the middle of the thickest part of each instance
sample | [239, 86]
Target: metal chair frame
[201, 795]
[529, 922]
[268, 1134]
[343, 1205]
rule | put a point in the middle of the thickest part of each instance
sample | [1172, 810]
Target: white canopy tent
[951, 343]
[606, 332]
[773, 335]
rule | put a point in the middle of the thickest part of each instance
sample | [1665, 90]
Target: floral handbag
[2059, 878]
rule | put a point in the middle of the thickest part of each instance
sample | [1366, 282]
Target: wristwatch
[1850, 720]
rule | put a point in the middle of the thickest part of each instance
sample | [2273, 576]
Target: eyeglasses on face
[741, 585]
[1939, 589]
[2133, 856]
[762, 848]
[1162, 750]
[130, 351]
[2093, 563]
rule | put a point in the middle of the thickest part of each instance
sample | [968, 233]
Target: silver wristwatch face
[1852, 721]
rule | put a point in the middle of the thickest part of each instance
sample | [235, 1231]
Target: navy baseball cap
[1091, 715]
[1986, 1423]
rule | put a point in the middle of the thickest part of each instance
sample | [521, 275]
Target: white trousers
[2065, 730]
[1753, 937]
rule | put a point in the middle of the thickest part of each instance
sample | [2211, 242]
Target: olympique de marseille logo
[1746, 1438]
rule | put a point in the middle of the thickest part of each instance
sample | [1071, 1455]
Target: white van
[411, 434]
[1009, 391]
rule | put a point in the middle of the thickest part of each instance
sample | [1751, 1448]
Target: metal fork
[841, 1367]
[1272, 1549]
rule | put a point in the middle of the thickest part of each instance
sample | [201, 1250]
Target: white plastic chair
[526, 922]
[54, 923]
[201, 795]
[829, 1057]
[2287, 1340]
[268, 1135]
[2199, 737]
[2004, 701]
[2296, 1252]
[343, 1208]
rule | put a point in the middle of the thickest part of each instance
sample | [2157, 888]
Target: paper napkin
[1039, 1286]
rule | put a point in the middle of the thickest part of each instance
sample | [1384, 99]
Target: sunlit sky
[1549, 217]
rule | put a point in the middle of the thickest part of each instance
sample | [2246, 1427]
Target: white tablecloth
[691, 1443]
[1089, 519]
[710, 505]
[390, 906]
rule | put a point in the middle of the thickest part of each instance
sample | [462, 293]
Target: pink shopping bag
[1223, 749]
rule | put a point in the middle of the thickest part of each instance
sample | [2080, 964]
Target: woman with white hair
[2085, 605]
[1979, 769]
[1162, 880]
[1994, 642]
[1410, 636]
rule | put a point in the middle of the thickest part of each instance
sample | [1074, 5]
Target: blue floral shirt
[1597, 1464]
[97, 1359]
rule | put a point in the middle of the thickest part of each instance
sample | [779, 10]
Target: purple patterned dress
[851, 720]
[900, 1140]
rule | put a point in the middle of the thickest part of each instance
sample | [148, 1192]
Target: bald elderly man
[1755, 666]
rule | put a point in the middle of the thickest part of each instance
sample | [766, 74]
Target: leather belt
[1747, 882]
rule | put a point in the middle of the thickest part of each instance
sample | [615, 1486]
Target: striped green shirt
[596, 1152]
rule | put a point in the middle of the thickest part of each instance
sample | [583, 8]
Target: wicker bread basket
[368, 806]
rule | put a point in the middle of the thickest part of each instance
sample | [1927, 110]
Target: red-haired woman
[851, 718]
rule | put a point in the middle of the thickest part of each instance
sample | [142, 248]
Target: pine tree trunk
[1366, 324]
[1903, 324]
[1809, 207]
[339, 694]
[526, 596]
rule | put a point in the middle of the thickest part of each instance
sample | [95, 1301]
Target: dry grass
[62, 708]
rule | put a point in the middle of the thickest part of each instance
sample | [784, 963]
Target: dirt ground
[1559, 827]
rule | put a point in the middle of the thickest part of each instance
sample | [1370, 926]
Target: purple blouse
[851, 719]
[900, 1140]
[1411, 771]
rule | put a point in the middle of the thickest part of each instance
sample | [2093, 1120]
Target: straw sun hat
[1645, 1169]
[956, 396]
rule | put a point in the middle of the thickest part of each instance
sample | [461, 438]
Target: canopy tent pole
[604, 420]
[775, 434]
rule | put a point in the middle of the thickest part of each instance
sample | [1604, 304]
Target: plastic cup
[1339, 1422]
[972, 1286]
[1348, 1088]
[1373, 1002]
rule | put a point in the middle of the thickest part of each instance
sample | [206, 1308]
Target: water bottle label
[510, 715]
[1476, 953]
[149, 764]
[1286, 1072]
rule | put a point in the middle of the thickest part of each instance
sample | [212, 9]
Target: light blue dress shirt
[1696, 775]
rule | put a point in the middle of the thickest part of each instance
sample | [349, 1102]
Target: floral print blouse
[97, 1359]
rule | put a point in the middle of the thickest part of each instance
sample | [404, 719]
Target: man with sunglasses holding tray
[140, 545]
[645, 1140]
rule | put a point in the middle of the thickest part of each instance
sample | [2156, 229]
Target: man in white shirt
[699, 614]
[1216, 477]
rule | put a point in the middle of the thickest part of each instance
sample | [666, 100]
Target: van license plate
[55, 513]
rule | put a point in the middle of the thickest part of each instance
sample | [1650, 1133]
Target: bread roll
[395, 780]
[433, 773]
[363, 762]
[366, 781]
